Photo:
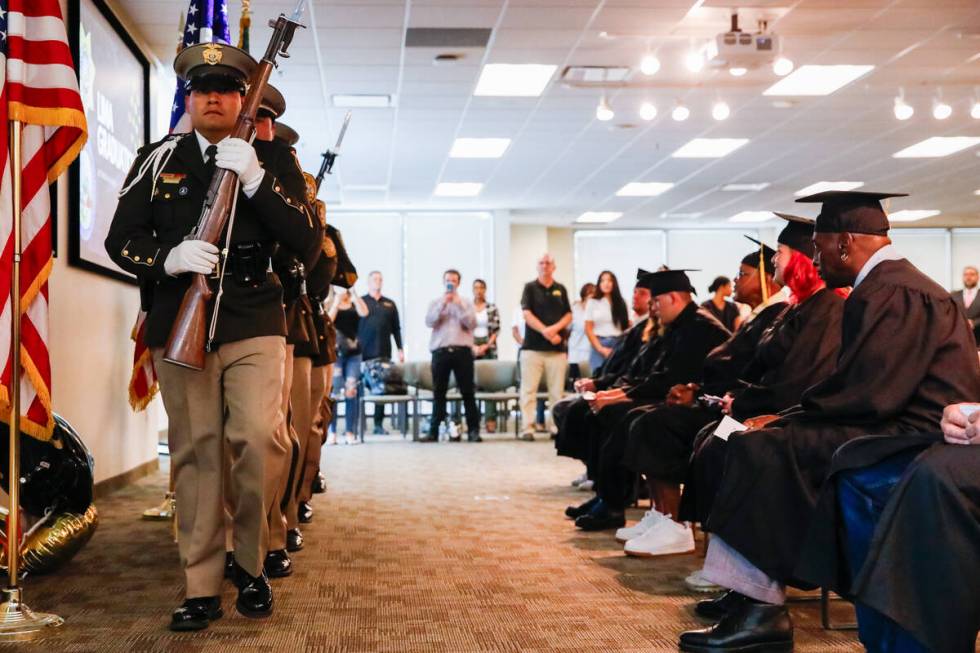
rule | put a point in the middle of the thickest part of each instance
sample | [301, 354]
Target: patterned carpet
[437, 547]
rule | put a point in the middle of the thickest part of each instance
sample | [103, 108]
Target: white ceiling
[563, 161]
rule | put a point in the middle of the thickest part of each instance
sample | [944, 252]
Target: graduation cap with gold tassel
[763, 263]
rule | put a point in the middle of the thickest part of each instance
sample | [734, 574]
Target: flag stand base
[18, 622]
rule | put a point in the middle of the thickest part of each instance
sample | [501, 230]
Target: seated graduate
[905, 353]
[797, 349]
[569, 412]
[897, 531]
[689, 336]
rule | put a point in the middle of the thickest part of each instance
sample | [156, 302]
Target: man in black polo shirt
[547, 314]
[375, 332]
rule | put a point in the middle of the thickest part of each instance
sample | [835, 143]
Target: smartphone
[450, 286]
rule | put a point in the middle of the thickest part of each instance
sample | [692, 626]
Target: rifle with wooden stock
[186, 345]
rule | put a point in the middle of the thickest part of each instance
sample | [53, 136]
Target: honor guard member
[234, 400]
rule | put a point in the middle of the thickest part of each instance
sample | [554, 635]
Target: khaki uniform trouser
[552, 365]
[232, 404]
[319, 378]
[282, 512]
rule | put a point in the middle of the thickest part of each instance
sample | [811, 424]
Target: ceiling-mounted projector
[738, 49]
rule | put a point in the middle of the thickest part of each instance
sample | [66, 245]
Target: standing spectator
[517, 329]
[579, 348]
[967, 299]
[547, 313]
[485, 338]
[725, 311]
[375, 332]
[346, 312]
[606, 318]
[452, 320]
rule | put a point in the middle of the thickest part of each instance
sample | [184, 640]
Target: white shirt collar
[204, 144]
[886, 253]
[777, 297]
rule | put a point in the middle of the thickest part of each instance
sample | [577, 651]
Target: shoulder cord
[158, 159]
[221, 268]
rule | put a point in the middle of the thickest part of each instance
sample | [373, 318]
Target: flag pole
[17, 621]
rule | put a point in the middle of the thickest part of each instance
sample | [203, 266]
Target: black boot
[751, 627]
[294, 540]
[304, 512]
[601, 518]
[574, 512]
[319, 484]
[474, 435]
[196, 613]
[277, 564]
[254, 594]
[715, 609]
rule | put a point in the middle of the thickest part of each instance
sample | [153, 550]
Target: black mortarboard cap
[797, 234]
[660, 283]
[851, 211]
[286, 134]
[752, 260]
[640, 273]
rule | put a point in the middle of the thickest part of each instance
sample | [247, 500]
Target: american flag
[38, 86]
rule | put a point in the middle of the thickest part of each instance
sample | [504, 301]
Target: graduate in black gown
[906, 353]
[689, 335]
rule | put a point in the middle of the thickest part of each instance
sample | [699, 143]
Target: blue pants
[595, 358]
[347, 372]
[862, 495]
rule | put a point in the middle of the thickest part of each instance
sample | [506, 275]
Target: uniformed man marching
[235, 400]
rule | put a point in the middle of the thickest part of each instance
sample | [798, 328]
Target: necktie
[209, 156]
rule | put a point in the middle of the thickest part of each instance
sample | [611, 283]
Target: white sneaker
[666, 537]
[350, 438]
[581, 479]
[331, 438]
[650, 519]
[586, 486]
[698, 583]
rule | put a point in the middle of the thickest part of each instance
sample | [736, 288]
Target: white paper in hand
[727, 426]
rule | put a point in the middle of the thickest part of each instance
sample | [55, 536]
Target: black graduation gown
[905, 354]
[622, 356]
[799, 349]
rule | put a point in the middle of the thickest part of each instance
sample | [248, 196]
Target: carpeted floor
[436, 547]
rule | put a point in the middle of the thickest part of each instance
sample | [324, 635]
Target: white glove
[239, 156]
[191, 256]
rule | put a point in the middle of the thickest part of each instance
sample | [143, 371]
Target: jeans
[347, 374]
[459, 362]
[595, 358]
[862, 495]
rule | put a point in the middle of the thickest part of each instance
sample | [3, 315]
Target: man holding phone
[452, 319]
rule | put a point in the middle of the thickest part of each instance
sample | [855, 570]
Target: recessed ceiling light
[903, 110]
[720, 111]
[941, 110]
[458, 189]
[737, 71]
[479, 148]
[782, 66]
[681, 216]
[937, 146]
[822, 186]
[911, 215]
[599, 217]
[736, 188]
[650, 65]
[364, 101]
[514, 80]
[752, 216]
[817, 80]
[648, 111]
[644, 189]
[603, 111]
[680, 113]
[709, 148]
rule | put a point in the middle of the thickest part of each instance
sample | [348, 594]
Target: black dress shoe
[196, 613]
[319, 484]
[431, 437]
[254, 594]
[715, 609]
[294, 540]
[601, 518]
[750, 627]
[574, 512]
[474, 436]
[277, 564]
[230, 565]
[304, 512]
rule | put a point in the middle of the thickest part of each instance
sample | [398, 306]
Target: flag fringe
[136, 401]
[62, 117]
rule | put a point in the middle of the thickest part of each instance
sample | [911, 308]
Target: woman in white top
[579, 348]
[606, 318]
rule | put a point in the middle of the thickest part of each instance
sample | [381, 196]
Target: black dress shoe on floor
[277, 564]
[319, 484]
[601, 519]
[294, 540]
[230, 565]
[254, 594]
[474, 436]
[715, 609]
[750, 627]
[574, 512]
[304, 512]
[196, 613]
[431, 437]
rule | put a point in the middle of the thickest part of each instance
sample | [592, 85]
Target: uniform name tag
[172, 177]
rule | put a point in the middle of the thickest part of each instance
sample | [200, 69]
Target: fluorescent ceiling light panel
[479, 148]
[681, 216]
[817, 80]
[514, 80]
[752, 216]
[709, 148]
[822, 186]
[458, 189]
[599, 217]
[911, 215]
[937, 146]
[736, 188]
[345, 101]
[644, 189]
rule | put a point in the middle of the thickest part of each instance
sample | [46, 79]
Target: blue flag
[207, 22]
